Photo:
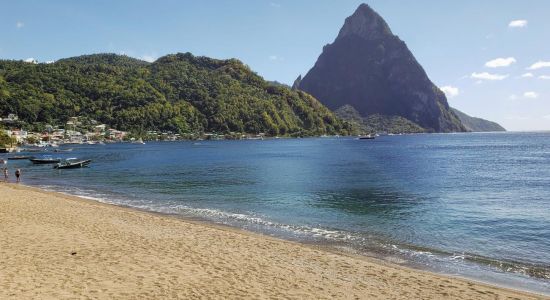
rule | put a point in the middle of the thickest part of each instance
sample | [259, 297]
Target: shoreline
[324, 260]
[377, 255]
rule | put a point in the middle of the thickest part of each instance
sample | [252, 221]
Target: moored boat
[63, 150]
[20, 157]
[72, 164]
[45, 160]
[367, 137]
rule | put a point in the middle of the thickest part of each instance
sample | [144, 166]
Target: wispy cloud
[450, 91]
[539, 65]
[500, 62]
[530, 95]
[488, 76]
[546, 117]
[19, 24]
[545, 77]
[527, 75]
[517, 23]
[273, 4]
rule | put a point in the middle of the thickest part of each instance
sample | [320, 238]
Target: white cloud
[545, 77]
[512, 97]
[488, 76]
[539, 65]
[530, 95]
[547, 117]
[527, 75]
[273, 4]
[19, 24]
[148, 58]
[450, 91]
[31, 60]
[500, 62]
[273, 57]
[517, 23]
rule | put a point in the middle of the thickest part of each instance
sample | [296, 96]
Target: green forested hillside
[377, 123]
[180, 93]
[477, 124]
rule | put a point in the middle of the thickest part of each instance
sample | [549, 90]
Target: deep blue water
[473, 205]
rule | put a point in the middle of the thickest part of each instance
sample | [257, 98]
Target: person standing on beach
[18, 175]
[5, 174]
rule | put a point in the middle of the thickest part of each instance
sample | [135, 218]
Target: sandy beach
[54, 246]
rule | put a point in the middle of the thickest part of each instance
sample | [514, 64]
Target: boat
[63, 150]
[20, 157]
[8, 150]
[31, 150]
[72, 164]
[138, 141]
[45, 160]
[367, 137]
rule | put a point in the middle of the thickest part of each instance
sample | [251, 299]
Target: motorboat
[45, 160]
[72, 164]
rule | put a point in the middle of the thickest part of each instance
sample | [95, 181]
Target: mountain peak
[371, 69]
[365, 23]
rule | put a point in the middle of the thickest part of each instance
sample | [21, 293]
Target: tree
[181, 93]
[6, 140]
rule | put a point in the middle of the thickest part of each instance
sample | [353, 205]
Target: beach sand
[54, 246]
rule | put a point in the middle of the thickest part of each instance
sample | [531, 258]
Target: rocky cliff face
[370, 68]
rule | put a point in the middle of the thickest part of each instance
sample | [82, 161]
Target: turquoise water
[472, 205]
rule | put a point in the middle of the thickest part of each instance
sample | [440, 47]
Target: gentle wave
[352, 241]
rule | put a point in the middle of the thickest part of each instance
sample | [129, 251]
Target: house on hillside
[19, 135]
[11, 118]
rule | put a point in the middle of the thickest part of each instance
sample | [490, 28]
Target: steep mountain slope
[373, 70]
[477, 124]
[180, 93]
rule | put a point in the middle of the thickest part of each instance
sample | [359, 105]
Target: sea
[472, 205]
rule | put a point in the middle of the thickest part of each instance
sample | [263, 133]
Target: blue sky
[478, 50]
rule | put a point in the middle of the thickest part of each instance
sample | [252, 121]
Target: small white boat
[72, 164]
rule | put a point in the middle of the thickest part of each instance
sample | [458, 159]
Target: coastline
[64, 246]
[126, 253]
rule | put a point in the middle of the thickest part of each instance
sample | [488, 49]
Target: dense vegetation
[179, 93]
[477, 124]
[5, 139]
[377, 123]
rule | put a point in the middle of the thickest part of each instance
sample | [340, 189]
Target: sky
[491, 57]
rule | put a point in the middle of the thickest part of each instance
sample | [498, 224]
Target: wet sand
[54, 246]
